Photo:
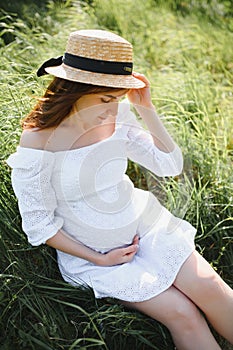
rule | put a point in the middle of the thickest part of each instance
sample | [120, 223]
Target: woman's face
[99, 108]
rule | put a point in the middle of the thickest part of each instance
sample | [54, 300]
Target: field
[185, 49]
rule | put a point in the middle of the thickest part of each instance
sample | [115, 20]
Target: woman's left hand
[140, 97]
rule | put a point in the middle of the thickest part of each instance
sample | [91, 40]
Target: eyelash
[105, 101]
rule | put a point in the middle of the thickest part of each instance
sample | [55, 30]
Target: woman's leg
[183, 319]
[199, 282]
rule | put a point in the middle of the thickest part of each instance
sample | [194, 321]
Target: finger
[142, 78]
[135, 239]
[128, 257]
[130, 249]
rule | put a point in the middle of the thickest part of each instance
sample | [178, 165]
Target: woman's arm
[141, 99]
[66, 244]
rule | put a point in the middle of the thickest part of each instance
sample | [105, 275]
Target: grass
[184, 48]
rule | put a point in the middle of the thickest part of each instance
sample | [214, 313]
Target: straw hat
[95, 57]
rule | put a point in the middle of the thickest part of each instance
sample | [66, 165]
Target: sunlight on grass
[184, 49]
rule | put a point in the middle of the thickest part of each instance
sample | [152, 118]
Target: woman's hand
[140, 97]
[120, 255]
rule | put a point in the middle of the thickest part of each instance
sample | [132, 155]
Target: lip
[102, 118]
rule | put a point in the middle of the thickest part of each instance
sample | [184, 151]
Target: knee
[211, 287]
[185, 316]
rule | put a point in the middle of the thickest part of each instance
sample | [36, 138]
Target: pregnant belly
[106, 229]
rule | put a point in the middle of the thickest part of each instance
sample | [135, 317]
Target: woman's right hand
[120, 255]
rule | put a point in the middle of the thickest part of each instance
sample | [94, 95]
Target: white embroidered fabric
[86, 193]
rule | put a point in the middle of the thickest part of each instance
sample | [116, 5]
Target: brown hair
[57, 102]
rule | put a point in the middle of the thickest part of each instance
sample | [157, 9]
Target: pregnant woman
[69, 175]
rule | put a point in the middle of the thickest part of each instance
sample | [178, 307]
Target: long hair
[57, 102]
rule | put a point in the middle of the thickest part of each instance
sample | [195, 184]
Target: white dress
[86, 193]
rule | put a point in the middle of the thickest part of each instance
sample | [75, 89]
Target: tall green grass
[184, 49]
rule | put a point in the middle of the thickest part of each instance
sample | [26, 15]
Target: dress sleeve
[31, 182]
[141, 149]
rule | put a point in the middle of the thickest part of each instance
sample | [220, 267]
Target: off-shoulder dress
[86, 192]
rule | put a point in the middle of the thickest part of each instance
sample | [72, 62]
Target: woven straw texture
[99, 45]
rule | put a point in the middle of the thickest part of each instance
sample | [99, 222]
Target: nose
[112, 109]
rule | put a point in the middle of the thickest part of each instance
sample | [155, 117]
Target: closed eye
[104, 100]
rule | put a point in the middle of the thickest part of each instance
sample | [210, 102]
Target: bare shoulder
[35, 138]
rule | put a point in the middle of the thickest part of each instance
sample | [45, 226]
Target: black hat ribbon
[52, 62]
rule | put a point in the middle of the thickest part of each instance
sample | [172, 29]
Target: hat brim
[110, 80]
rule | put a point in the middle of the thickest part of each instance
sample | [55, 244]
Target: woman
[73, 194]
